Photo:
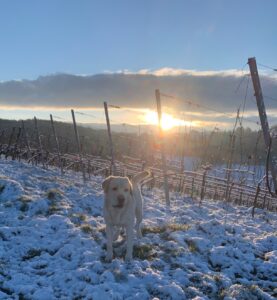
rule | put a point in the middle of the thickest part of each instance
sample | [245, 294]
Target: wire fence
[243, 189]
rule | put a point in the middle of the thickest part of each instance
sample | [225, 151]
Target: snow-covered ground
[52, 244]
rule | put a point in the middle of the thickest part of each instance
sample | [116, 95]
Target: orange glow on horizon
[167, 122]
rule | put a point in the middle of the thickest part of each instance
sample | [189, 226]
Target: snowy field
[52, 244]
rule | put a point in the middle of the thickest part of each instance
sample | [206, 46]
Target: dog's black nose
[120, 199]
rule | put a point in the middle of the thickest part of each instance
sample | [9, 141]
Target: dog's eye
[115, 188]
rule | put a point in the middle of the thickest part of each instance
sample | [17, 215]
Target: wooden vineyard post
[182, 166]
[78, 144]
[185, 138]
[192, 188]
[39, 141]
[57, 143]
[256, 199]
[215, 193]
[15, 149]
[264, 200]
[202, 194]
[26, 138]
[231, 157]
[110, 137]
[229, 166]
[140, 147]
[2, 135]
[164, 167]
[262, 113]
[240, 194]
[10, 143]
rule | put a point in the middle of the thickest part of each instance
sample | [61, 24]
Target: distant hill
[209, 146]
[124, 128]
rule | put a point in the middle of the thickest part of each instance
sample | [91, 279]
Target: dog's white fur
[123, 203]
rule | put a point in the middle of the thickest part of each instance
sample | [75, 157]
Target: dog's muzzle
[120, 201]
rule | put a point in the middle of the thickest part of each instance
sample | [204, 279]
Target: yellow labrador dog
[123, 203]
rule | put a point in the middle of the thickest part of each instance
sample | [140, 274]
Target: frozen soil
[52, 244]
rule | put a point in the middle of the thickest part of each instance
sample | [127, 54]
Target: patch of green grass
[175, 266]
[169, 255]
[24, 207]
[153, 229]
[102, 229]
[82, 217]
[79, 297]
[87, 228]
[53, 208]
[20, 217]
[221, 294]
[162, 229]
[216, 278]
[25, 199]
[78, 218]
[2, 237]
[31, 254]
[178, 227]
[2, 187]
[253, 287]
[21, 297]
[192, 246]
[144, 252]
[6, 290]
[54, 194]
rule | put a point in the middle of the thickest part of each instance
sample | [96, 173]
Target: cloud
[215, 90]
[177, 72]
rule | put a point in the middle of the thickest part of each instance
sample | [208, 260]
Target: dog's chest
[119, 217]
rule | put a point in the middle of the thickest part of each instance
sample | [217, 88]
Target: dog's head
[118, 191]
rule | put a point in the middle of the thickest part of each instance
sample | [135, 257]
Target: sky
[46, 38]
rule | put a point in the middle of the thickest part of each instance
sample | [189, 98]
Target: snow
[52, 244]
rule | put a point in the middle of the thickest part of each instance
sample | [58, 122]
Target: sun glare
[168, 121]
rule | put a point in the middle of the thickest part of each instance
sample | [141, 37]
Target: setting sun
[168, 121]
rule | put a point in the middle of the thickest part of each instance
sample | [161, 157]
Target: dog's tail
[140, 176]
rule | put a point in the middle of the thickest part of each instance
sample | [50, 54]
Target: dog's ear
[131, 187]
[106, 184]
[131, 190]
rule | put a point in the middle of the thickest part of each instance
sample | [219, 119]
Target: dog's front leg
[130, 241]
[109, 233]
[138, 222]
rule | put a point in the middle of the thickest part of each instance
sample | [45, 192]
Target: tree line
[211, 147]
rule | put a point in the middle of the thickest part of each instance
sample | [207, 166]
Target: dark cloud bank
[216, 90]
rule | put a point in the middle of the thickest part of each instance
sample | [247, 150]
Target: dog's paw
[116, 234]
[128, 257]
[108, 258]
[139, 234]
